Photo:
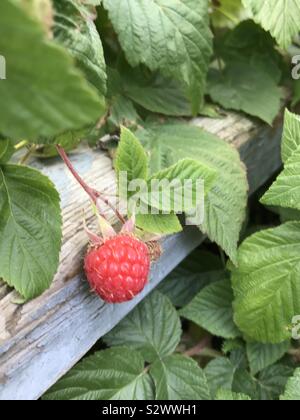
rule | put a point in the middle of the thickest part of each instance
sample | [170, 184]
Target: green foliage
[131, 157]
[153, 328]
[148, 360]
[226, 202]
[266, 286]
[212, 310]
[75, 30]
[280, 17]
[285, 191]
[249, 81]
[30, 229]
[82, 69]
[225, 395]
[181, 48]
[261, 356]
[292, 390]
[197, 271]
[6, 150]
[44, 95]
[114, 374]
[179, 378]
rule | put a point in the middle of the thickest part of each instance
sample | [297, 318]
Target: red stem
[93, 194]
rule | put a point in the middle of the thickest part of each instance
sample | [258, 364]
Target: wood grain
[44, 338]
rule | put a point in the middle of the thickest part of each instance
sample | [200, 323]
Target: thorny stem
[92, 193]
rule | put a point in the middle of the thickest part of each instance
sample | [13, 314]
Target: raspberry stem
[92, 193]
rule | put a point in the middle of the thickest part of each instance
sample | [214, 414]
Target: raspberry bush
[135, 72]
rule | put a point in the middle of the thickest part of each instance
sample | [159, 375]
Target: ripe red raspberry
[118, 270]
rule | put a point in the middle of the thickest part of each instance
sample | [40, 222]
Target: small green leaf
[272, 381]
[179, 378]
[292, 390]
[30, 230]
[114, 374]
[6, 150]
[212, 310]
[160, 224]
[266, 283]
[220, 374]
[247, 87]
[180, 45]
[43, 95]
[225, 395]
[153, 328]
[261, 356]
[285, 191]
[197, 271]
[245, 383]
[280, 17]
[75, 30]
[131, 157]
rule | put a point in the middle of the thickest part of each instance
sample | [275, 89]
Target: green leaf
[161, 224]
[153, 328]
[272, 381]
[6, 150]
[179, 378]
[285, 191]
[75, 30]
[246, 87]
[43, 95]
[114, 374]
[131, 158]
[249, 43]
[220, 374]
[266, 283]
[225, 395]
[261, 356]
[291, 135]
[292, 390]
[280, 17]
[30, 230]
[157, 94]
[193, 274]
[245, 383]
[226, 202]
[212, 310]
[180, 45]
[175, 199]
[123, 112]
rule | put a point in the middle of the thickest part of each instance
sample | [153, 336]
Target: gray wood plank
[44, 338]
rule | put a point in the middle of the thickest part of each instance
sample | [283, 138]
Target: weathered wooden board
[43, 339]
